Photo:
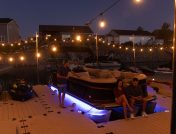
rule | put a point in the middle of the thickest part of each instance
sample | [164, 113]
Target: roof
[49, 29]
[5, 20]
[132, 32]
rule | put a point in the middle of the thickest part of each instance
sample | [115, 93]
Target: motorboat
[96, 86]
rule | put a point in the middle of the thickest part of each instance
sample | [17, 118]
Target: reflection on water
[164, 77]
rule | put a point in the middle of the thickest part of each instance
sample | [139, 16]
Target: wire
[103, 12]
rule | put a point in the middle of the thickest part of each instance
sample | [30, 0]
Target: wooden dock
[42, 115]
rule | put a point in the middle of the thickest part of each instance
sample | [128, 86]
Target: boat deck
[42, 115]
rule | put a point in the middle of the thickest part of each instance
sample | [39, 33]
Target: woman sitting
[121, 98]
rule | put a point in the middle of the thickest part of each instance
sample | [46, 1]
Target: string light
[3, 44]
[141, 50]
[25, 41]
[21, 58]
[120, 47]
[38, 55]
[161, 48]
[19, 44]
[150, 49]
[126, 48]
[11, 45]
[55, 39]
[54, 49]
[11, 59]
[113, 45]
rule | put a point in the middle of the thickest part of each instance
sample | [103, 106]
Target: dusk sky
[150, 14]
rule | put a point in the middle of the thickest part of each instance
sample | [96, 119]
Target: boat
[96, 86]
[104, 65]
[164, 70]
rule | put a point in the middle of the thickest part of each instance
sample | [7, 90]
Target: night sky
[150, 14]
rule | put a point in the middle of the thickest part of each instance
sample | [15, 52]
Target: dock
[42, 115]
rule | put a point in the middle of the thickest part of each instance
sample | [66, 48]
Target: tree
[164, 33]
[140, 28]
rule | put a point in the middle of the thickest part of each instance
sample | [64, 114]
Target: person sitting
[121, 98]
[62, 77]
[135, 94]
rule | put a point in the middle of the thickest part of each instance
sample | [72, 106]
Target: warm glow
[19, 44]
[3, 44]
[32, 39]
[88, 39]
[63, 40]
[120, 47]
[38, 55]
[126, 48]
[133, 49]
[102, 24]
[109, 44]
[11, 45]
[103, 42]
[73, 41]
[113, 45]
[172, 47]
[0, 58]
[22, 58]
[141, 50]
[78, 38]
[150, 50]
[46, 38]
[11, 59]
[137, 1]
[161, 48]
[55, 39]
[25, 41]
[54, 49]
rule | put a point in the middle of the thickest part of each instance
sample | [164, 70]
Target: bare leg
[63, 97]
[124, 99]
[60, 102]
[124, 109]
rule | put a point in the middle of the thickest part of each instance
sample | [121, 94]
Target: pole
[37, 60]
[134, 55]
[173, 114]
[97, 48]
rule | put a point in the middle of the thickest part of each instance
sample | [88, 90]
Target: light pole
[102, 24]
[173, 114]
[37, 58]
[134, 54]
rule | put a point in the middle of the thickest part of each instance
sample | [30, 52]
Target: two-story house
[9, 31]
[135, 36]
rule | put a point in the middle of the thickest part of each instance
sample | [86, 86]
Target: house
[124, 36]
[9, 31]
[65, 33]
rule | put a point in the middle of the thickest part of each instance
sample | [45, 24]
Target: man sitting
[135, 94]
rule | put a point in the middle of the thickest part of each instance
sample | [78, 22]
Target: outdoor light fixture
[54, 49]
[38, 55]
[22, 58]
[78, 38]
[11, 59]
[102, 24]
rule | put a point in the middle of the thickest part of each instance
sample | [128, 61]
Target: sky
[29, 14]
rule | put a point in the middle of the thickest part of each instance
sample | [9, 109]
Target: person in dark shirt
[121, 98]
[135, 94]
[62, 78]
